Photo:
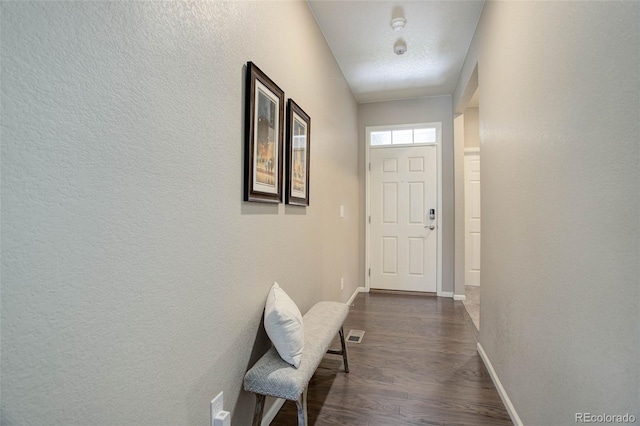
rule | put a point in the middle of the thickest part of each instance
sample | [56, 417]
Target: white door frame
[438, 144]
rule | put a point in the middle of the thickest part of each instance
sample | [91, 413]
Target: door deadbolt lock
[432, 214]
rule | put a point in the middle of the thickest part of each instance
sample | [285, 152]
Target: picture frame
[298, 155]
[264, 137]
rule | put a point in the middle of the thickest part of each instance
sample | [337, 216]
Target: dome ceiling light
[400, 47]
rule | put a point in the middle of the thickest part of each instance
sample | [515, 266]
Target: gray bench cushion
[273, 376]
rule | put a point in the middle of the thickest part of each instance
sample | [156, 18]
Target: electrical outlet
[216, 406]
[341, 283]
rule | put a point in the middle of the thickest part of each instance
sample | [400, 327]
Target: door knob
[431, 227]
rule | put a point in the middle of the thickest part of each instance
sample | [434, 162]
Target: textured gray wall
[133, 275]
[560, 287]
[423, 110]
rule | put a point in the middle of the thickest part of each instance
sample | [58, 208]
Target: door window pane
[402, 137]
[424, 135]
[380, 138]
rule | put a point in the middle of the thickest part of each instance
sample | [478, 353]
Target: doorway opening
[468, 205]
[403, 206]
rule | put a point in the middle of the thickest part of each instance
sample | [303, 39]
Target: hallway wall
[560, 204]
[133, 275]
[471, 128]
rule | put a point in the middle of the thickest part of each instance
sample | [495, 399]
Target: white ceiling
[437, 34]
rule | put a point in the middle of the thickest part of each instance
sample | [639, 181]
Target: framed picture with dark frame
[298, 155]
[264, 137]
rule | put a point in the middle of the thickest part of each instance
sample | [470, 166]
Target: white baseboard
[355, 293]
[445, 294]
[503, 393]
[272, 412]
[459, 297]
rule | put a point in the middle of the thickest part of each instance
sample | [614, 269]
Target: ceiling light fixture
[398, 23]
[400, 47]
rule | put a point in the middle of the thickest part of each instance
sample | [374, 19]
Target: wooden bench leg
[344, 351]
[257, 414]
[301, 403]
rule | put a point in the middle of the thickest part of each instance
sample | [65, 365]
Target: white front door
[403, 243]
[472, 218]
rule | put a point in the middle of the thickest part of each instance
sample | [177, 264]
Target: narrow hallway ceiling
[437, 35]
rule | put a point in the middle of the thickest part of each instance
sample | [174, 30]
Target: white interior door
[403, 243]
[472, 218]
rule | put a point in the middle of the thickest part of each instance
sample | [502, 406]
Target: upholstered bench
[274, 377]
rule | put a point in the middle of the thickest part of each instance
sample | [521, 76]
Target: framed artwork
[264, 137]
[298, 155]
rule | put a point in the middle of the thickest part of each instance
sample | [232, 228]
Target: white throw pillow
[283, 323]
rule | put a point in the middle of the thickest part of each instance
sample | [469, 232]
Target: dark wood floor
[417, 365]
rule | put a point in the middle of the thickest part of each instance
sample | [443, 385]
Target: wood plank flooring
[417, 365]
